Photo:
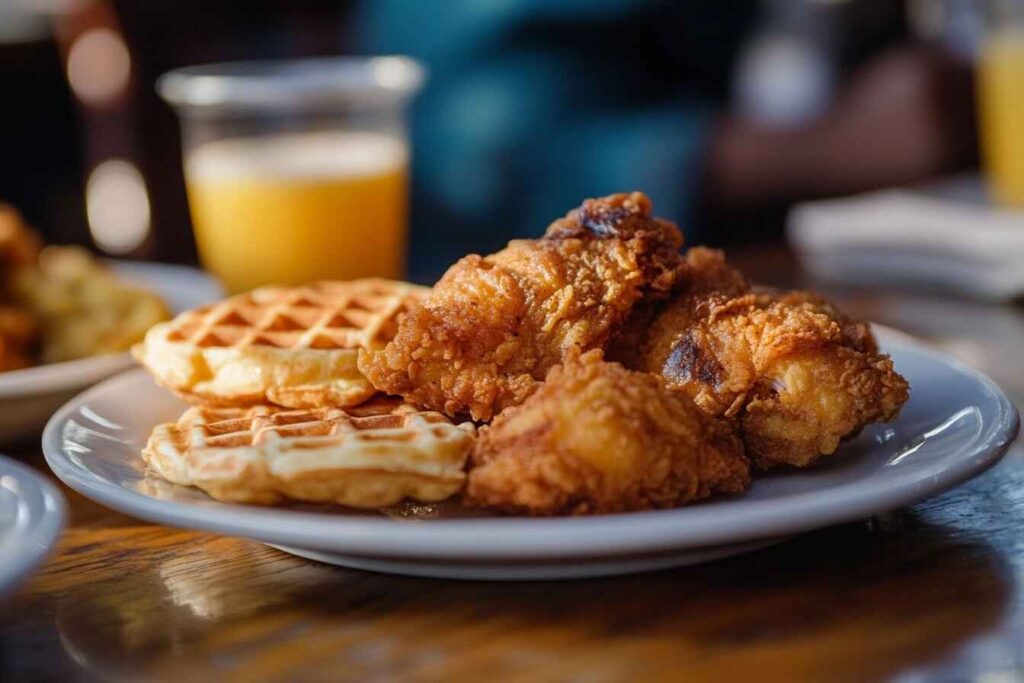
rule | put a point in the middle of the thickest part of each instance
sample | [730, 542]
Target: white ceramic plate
[956, 424]
[31, 517]
[28, 397]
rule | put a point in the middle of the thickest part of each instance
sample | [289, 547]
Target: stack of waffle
[280, 410]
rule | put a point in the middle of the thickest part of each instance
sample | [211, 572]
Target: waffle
[370, 456]
[290, 346]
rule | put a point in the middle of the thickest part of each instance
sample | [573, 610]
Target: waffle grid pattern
[322, 315]
[378, 420]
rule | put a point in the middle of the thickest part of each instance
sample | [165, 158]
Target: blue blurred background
[726, 113]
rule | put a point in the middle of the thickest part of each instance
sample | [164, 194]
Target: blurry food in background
[84, 309]
[17, 333]
[19, 248]
[19, 245]
[1001, 103]
[60, 303]
[297, 170]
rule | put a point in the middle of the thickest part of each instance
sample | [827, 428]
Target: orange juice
[1001, 101]
[290, 208]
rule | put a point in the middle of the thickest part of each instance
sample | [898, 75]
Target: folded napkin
[944, 238]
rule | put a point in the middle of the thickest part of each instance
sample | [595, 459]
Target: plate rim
[523, 537]
[41, 538]
[65, 375]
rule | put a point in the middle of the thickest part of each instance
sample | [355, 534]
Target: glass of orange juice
[1001, 101]
[297, 170]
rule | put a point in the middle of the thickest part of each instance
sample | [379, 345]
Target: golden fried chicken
[800, 375]
[703, 271]
[494, 325]
[596, 437]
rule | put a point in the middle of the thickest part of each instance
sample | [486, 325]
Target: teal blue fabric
[533, 105]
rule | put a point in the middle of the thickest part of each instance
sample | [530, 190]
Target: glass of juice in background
[1001, 101]
[297, 170]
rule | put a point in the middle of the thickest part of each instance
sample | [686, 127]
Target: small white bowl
[31, 517]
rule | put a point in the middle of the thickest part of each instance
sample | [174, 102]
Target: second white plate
[956, 424]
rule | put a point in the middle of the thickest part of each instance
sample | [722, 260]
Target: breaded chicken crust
[800, 375]
[598, 438]
[494, 325]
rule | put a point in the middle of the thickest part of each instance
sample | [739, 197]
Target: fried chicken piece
[599, 438]
[800, 375]
[494, 325]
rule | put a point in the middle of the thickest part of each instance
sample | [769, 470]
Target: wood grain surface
[931, 592]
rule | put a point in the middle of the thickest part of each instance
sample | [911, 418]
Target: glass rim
[293, 83]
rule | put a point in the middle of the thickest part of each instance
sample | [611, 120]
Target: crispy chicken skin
[703, 272]
[494, 325]
[798, 374]
[599, 438]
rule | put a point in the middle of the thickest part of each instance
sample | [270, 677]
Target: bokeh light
[98, 66]
[117, 206]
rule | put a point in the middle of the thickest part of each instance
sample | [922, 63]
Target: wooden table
[931, 591]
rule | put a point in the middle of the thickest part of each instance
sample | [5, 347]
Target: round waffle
[290, 346]
[370, 456]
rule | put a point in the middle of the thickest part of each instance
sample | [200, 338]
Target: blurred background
[728, 114]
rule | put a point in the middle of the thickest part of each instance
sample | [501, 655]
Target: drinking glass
[297, 170]
[1001, 101]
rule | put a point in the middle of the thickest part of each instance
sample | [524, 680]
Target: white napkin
[944, 238]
